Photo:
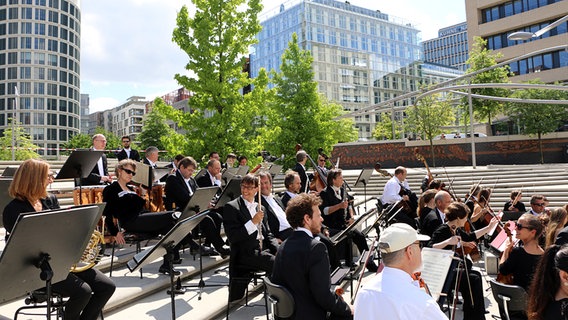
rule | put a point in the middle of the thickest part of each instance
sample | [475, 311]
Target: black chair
[37, 300]
[133, 239]
[281, 300]
[512, 300]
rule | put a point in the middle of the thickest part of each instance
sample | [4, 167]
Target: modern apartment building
[357, 51]
[494, 20]
[450, 48]
[123, 120]
[40, 69]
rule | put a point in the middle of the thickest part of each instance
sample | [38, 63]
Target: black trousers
[88, 292]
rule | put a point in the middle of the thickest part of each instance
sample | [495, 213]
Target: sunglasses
[520, 227]
[133, 173]
[539, 204]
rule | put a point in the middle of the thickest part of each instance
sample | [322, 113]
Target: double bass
[318, 183]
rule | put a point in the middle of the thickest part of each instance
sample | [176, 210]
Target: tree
[156, 132]
[383, 128]
[428, 116]
[538, 119]
[25, 147]
[301, 115]
[216, 41]
[480, 58]
[85, 141]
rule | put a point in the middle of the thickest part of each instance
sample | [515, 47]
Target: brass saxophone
[94, 251]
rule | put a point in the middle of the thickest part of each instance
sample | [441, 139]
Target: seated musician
[242, 220]
[520, 261]
[99, 174]
[209, 178]
[300, 168]
[558, 219]
[336, 213]
[515, 203]
[301, 264]
[151, 159]
[391, 294]
[293, 186]
[481, 208]
[451, 235]
[426, 204]
[128, 207]
[398, 191]
[88, 290]
[180, 187]
[436, 217]
[538, 205]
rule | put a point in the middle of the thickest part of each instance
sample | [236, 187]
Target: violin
[463, 251]
[416, 276]
[506, 279]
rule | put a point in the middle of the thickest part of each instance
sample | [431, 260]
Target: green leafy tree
[85, 141]
[480, 58]
[428, 116]
[538, 119]
[301, 114]
[25, 147]
[383, 128]
[216, 40]
[156, 131]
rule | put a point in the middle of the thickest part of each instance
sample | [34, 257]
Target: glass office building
[361, 56]
[40, 69]
[450, 48]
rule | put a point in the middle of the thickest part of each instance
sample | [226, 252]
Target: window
[40, 14]
[40, 28]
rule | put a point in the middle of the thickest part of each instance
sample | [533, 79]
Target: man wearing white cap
[392, 294]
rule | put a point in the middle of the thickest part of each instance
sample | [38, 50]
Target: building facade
[40, 69]
[494, 20]
[450, 48]
[85, 102]
[353, 50]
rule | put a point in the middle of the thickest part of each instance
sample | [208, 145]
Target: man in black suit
[300, 168]
[302, 264]
[436, 217]
[127, 152]
[99, 174]
[292, 184]
[180, 187]
[275, 210]
[243, 219]
[211, 176]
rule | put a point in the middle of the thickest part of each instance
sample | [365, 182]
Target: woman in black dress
[89, 290]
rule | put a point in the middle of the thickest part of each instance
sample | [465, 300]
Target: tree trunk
[432, 152]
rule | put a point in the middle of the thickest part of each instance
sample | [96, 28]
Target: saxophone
[94, 251]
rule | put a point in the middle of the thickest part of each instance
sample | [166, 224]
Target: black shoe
[166, 270]
[225, 252]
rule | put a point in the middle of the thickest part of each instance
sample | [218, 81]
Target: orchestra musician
[391, 294]
[302, 266]
[426, 204]
[293, 186]
[397, 190]
[180, 187]
[436, 217]
[548, 294]
[89, 290]
[558, 219]
[124, 204]
[481, 208]
[242, 218]
[451, 235]
[151, 158]
[300, 168]
[515, 203]
[538, 205]
[211, 176]
[521, 261]
[99, 174]
[229, 161]
[127, 152]
[243, 160]
[337, 214]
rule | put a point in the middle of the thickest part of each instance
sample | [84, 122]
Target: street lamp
[524, 35]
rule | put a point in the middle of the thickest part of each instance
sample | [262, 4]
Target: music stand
[364, 178]
[143, 175]
[9, 172]
[4, 197]
[51, 241]
[242, 170]
[511, 215]
[346, 234]
[200, 200]
[161, 173]
[275, 169]
[228, 174]
[165, 247]
[232, 191]
[74, 167]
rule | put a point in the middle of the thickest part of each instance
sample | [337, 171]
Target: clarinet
[260, 237]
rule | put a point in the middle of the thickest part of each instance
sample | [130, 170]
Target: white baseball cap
[399, 236]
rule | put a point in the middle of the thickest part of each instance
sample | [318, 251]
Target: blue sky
[126, 47]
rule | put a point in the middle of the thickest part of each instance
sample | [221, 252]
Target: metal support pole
[473, 161]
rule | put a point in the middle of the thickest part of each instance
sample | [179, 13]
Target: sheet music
[435, 266]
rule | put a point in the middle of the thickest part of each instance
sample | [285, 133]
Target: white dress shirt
[252, 209]
[392, 190]
[393, 295]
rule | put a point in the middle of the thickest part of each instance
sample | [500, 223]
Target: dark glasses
[539, 204]
[520, 226]
[129, 172]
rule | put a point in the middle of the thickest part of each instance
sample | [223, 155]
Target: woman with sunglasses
[521, 261]
[451, 235]
[125, 205]
[548, 294]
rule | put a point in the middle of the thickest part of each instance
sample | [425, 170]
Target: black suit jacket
[273, 221]
[94, 177]
[431, 222]
[204, 180]
[177, 191]
[562, 237]
[336, 219]
[285, 198]
[302, 266]
[134, 155]
[304, 179]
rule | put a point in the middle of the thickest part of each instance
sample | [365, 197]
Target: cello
[318, 183]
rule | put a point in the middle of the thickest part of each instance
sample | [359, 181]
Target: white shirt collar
[308, 232]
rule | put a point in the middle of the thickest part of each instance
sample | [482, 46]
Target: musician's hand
[106, 179]
[453, 240]
[350, 221]
[339, 291]
[218, 176]
[343, 205]
[258, 217]
[469, 245]
[405, 197]
[326, 232]
[494, 221]
[119, 238]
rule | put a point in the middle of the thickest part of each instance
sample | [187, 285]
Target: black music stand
[228, 174]
[4, 196]
[51, 241]
[79, 166]
[199, 200]
[165, 247]
[345, 234]
[9, 172]
[232, 191]
[242, 170]
[364, 178]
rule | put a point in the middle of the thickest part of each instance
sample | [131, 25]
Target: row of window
[445, 41]
[50, 89]
[442, 52]
[500, 41]
[54, 4]
[40, 103]
[40, 15]
[547, 61]
[510, 8]
[11, 58]
[40, 30]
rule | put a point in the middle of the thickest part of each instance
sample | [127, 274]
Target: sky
[126, 46]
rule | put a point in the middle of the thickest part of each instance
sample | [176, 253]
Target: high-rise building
[494, 20]
[356, 51]
[450, 48]
[85, 102]
[126, 119]
[40, 59]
